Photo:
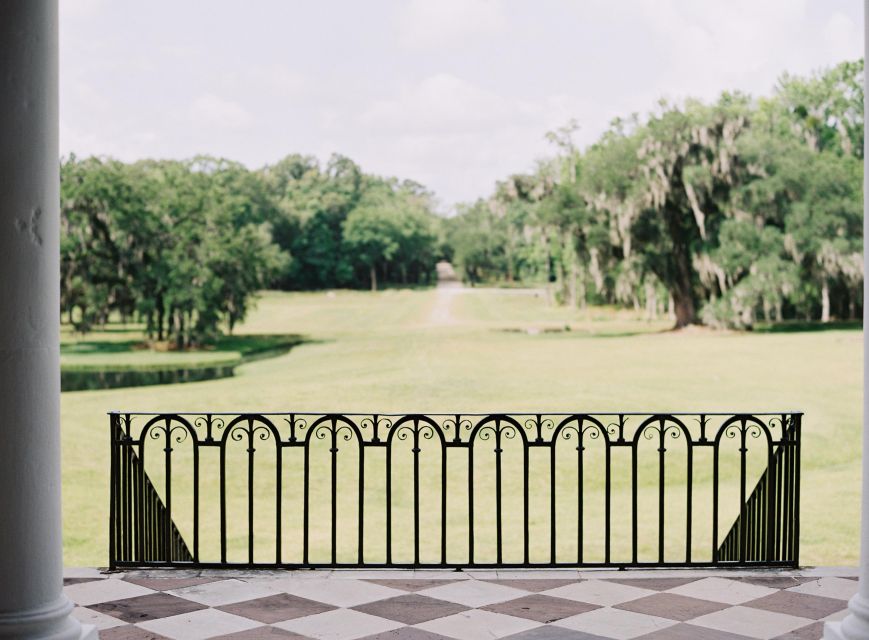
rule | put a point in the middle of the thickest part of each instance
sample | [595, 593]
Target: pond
[93, 379]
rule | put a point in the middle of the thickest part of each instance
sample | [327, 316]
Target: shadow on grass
[799, 326]
[580, 333]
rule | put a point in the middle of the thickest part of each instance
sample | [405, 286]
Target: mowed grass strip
[390, 352]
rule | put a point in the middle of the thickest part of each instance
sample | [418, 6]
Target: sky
[454, 94]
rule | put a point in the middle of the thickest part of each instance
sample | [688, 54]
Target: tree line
[182, 246]
[721, 213]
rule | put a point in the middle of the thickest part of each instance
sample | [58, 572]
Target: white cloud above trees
[451, 93]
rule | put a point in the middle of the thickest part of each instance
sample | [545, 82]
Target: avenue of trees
[720, 213]
[182, 246]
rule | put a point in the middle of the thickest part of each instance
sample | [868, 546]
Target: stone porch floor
[472, 605]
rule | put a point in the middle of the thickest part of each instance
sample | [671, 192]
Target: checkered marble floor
[434, 605]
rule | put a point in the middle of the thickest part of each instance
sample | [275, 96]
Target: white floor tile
[87, 593]
[342, 624]
[615, 623]
[754, 623]
[199, 625]
[722, 590]
[474, 593]
[599, 592]
[216, 594]
[476, 624]
[840, 588]
[338, 592]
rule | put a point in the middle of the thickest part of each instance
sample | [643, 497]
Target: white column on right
[856, 625]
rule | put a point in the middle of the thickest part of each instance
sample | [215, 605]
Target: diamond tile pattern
[273, 605]
[411, 608]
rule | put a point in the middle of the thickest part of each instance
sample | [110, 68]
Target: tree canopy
[184, 245]
[719, 213]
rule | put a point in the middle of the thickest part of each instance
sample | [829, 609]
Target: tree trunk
[825, 301]
[682, 274]
[683, 306]
[373, 276]
[651, 303]
[574, 278]
[161, 312]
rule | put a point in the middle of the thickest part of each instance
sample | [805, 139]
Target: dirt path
[448, 287]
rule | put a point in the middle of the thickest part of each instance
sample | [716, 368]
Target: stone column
[32, 604]
[856, 625]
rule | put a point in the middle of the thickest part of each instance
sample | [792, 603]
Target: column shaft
[32, 604]
[856, 625]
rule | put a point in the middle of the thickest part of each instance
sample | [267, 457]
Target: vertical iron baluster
[139, 471]
[279, 478]
[552, 503]
[443, 500]
[166, 530]
[471, 501]
[306, 500]
[251, 450]
[525, 499]
[389, 500]
[689, 498]
[662, 432]
[114, 480]
[361, 513]
[223, 498]
[743, 450]
[127, 498]
[715, 451]
[797, 419]
[607, 500]
[779, 507]
[415, 491]
[580, 450]
[498, 524]
[788, 473]
[334, 452]
[195, 500]
[634, 527]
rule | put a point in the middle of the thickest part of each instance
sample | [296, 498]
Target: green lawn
[399, 351]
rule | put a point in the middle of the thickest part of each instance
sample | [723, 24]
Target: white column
[856, 625]
[32, 604]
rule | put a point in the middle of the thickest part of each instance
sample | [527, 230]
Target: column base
[855, 626]
[89, 632]
[49, 622]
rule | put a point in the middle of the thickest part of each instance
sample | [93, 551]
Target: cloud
[441, 103]
[434, 23]
[842, 37]
[278, 79]
[214, 111]
[450, 132]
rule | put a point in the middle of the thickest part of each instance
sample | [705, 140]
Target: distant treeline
[721, 213]
[183, 245]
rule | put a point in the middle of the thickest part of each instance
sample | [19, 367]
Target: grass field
[428, 351]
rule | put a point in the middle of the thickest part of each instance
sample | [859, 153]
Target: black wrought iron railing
[138, 509]
[768, 524]
[468, 490]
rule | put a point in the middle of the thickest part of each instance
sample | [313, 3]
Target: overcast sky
[454, 94]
